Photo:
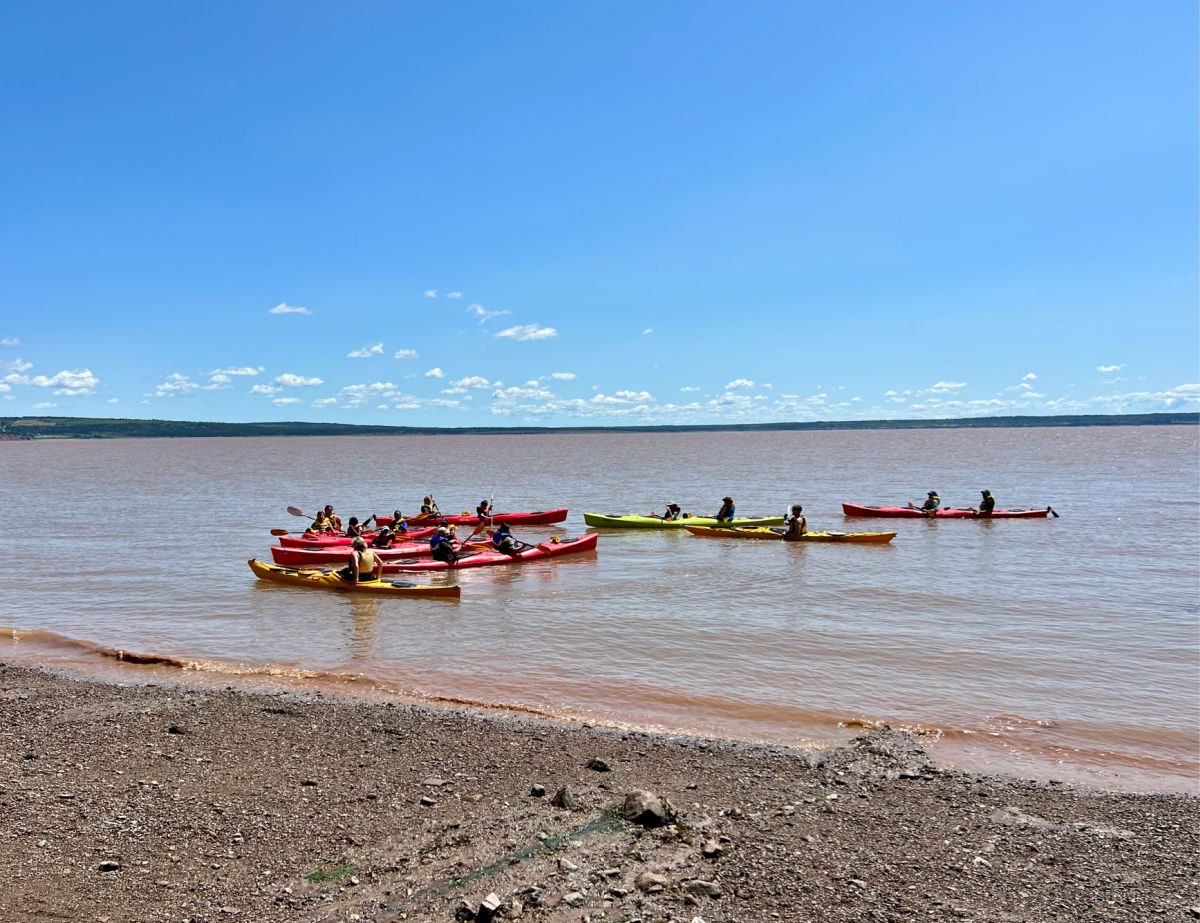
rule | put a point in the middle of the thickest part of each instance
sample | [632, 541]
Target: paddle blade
[279, 531]
[297, 512]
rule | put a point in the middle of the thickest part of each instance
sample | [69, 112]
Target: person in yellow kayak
[674, 512]
[365, 564]
[320, 525]
[335, 522]
[797, 525]
[726, 513]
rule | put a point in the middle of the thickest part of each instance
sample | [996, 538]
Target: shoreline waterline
[967, 750]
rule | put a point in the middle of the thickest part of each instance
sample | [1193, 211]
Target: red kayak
[486, 558]
[541, 518]
[336, 541]
[904, 512]
[340, 554]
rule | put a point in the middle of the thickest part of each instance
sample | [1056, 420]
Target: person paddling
[504, 542]
[674, 512]
[354, 529]
[365, 565]
[483, 513]
[797, 525]
[441, 545]
[320, 525]
[383, 538]
[335, 522]
[987, 504]
[399, 524]
[429, 507]
[726, 512]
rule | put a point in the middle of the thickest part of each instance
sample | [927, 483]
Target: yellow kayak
[331, 581]
[873, 538]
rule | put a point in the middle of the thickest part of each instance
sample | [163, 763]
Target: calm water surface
[1057, 649]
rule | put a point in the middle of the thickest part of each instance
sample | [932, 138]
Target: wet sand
[141, 803]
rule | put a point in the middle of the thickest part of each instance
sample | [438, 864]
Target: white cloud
[113, 400]
[483, 313]
[241, 370]
[288, 380]
[44, 405]
[688, 389]
[1110, 368]
[175, 384]
[220, 380]
[10, 341]
[430, 293]
[325, 402]
[1029, 376]
[562, 376]
[944, 387]
[68, 383]
[366, 352]
[475, 381]
[527, 332]
[281, 401]
[405, 354]
[265, 389]
[4, 387]
[284, 308]
[435, 373]
[647, 331]
[739, 383]
[453, 294]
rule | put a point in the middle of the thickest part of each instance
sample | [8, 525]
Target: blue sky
[488, 214]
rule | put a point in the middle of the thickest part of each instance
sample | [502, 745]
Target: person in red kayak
[399, 524]
[320, 525]
[364, 564]
[335, 522]
[483, 513]
[429, 508]
[726, 512]
[987, 504]
[441, 545]
[355, 528]
[504, 542]
[797, 525]
[383, 538]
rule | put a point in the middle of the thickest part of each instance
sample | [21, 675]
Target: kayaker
[335, 522]
[364, 564]
[383, 538]
[987, 504]
[441, 545]
[504, 542]
[674, 511]
[320, 525]
[727, 510]
[399, 524]
[483, 513]
[354, 529]
[429, 507]
[797, 525]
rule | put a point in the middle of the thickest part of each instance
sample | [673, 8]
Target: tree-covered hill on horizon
[102, 428]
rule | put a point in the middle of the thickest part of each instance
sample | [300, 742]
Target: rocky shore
[147, 803]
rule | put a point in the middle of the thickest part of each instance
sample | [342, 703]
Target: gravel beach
[163, 802]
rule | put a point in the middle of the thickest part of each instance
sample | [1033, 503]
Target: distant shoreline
[24, 428]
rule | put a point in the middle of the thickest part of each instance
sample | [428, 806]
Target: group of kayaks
[312, 560]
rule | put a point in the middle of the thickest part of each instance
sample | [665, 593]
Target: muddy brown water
[1061, 648]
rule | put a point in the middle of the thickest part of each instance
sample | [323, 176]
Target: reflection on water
[1050, 647]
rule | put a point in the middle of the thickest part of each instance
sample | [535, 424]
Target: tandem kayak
[653, 522]
[537, 552]
[331, 581]
[904, 512]
[870, 538]
[540, 518]
[335, 541]
[340, 554]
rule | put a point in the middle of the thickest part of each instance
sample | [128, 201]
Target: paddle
[481, 526]
[1050, 510]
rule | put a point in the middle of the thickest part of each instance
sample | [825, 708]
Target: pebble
[565, 798]
[711, 849]
[567, 865]
[538, 791]
[574, 898]
[598, 765]
[703, 888]
[108, 865]
[647, 809]
[427, 802]
[649, 881]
